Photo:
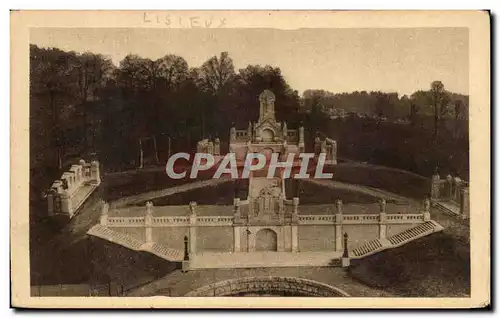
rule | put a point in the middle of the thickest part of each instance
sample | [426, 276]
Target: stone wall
[316, 238]
[172, 237]
[215, 239]
[136, 232]
[360, 234]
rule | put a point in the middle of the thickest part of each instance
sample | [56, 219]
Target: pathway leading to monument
[359, 188]
[179, 284]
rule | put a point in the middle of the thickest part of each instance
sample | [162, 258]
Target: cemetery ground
[438, 265]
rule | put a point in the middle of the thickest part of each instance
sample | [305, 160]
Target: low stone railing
[66, 195]
[363, 219]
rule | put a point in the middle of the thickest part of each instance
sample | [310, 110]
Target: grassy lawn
[434, 266]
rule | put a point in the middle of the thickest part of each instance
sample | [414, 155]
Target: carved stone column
[382, 220]
[338, 226]
[148, 221]
[192, 228]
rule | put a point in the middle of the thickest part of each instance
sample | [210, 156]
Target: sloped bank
[433, 266]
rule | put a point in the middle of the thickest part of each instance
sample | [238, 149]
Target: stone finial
[339, 206]
[81, 162]
[427, 205]
[149, 207]
[436, 171]
[192, 207]
[232, 133]
[449, 178]
[382, 205]
[104, 208]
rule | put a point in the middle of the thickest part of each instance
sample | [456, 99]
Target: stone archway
[266, 240]
[268, 286]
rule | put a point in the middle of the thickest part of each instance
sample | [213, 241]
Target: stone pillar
[435, 185]
[148, 222]
[232, 134]
[464, 203]
[323, 147]
[95, 175]
[199, 147]
[334, 152]
[295, 238]
[237, 210]
[285, 131]
[449, 187]
[427, 210]
[66, 206]
[192, 228]
[281, 208]
[104, 213]
[295, 211]
[210, 148]
[457, 189]
[382, 219]
[217, 147]
[237, 239]
[338, 226]
[317, 145]
[382, 225]
[301, 139]
[51, 195]
[249, 130]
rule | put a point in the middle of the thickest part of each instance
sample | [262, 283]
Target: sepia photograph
[190, 156]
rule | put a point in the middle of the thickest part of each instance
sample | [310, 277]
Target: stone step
[374, 246]
[129, 242]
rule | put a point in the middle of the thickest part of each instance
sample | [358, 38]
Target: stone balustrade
[361, 219]
[451, 189]
[68, 193]
[327, 146]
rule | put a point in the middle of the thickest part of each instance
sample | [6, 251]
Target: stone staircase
[448, 207]
[368, 248]
[378, 245]
[166, 252]
[129, 242]
[412, 234]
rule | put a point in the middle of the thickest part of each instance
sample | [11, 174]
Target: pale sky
[338, 60]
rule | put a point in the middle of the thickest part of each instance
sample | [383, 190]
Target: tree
[92, 72]
[216, 73]
[51, 79]
[459, 105]
[439, 102]
[414, 108]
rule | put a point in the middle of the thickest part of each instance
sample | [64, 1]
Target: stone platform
[207, 260]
